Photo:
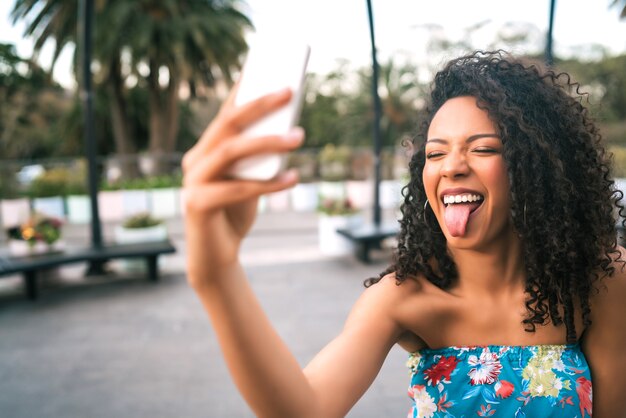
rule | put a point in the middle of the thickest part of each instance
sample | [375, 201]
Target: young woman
[508, 284]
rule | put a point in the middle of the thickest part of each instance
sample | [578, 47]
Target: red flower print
[583, 390]
[440, 371]
[486, 412]
[503, 389]
[443, 404]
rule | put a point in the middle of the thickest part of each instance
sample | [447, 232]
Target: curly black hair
[564, 202]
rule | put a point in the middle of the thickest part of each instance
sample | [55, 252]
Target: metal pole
[549, 55]
[85, 19]
[377, 115]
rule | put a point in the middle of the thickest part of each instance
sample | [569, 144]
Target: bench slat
[30, 265]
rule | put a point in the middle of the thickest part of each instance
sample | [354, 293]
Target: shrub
[332, 207]
[141, 220]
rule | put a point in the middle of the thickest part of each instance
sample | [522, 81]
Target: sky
[338, 29]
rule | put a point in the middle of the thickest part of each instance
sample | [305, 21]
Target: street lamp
[370, 236]
[85, 19]
[377, 116]
[549, 56]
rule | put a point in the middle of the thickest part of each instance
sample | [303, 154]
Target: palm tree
[48, 19]
[30, 107]
[172, 43]
[622, 5]
[400, 91]
[57, 20]
[165, 44]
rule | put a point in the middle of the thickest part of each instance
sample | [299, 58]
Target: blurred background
[118, 346]
[161, 69]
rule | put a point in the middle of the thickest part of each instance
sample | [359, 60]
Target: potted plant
[334, 162]
[336, 214]
[40, 233]
[138, 228]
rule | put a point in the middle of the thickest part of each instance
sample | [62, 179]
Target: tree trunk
[174, 114]
[124, 146]
[164, 121]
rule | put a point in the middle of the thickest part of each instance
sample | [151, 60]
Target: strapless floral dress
[500, 381]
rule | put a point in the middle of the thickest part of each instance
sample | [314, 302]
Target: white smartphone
[271, 64]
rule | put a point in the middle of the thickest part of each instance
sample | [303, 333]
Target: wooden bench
[368, 237]
[30, 266]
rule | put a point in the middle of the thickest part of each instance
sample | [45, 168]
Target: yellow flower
[545, 384]
[542, 380]
[28, 233]
[413, 361]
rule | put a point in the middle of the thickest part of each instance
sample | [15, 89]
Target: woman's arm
[219, 212]
[346, 367]
[267, 374]
[604, 345]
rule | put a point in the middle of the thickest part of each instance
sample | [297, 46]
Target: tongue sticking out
[457, 215]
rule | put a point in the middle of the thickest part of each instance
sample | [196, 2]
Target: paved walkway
[120, 346]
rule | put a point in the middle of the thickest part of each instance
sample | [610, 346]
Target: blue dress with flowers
[500, 381]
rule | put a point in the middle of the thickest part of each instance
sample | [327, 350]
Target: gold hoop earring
[427, 222]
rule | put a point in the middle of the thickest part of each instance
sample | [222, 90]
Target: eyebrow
[468, 140]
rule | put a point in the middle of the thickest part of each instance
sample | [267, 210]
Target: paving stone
[120, 346]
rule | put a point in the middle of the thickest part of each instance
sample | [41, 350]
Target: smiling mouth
[462, 198]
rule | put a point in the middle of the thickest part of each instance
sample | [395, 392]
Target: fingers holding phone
[239, 157]
[271, 64]
[254, 129]
[232, 120]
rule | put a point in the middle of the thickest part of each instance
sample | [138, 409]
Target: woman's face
[465, 176]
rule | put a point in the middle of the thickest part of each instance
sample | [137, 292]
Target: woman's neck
[495, 272]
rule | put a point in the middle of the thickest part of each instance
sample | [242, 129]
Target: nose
[454, 165]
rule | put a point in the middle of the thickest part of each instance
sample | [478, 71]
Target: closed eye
[434, 154]
[483, 150]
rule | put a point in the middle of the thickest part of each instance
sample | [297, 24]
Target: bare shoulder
[409, 304]
[382, 299]
[393, 291]
[603, 342]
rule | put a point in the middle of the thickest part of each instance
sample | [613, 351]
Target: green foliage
[334, 162]
[51, 183]
[30, 108]
[48, 19]
[323, 110]
[614, 133]
[619, 161]
[620, 5]
[146, 183]
[305, 161]
[335, 154]
[604, 80]
[339, 106]
[194, 43]
[333, 207]
[9, 188]
[199, 44]
[141, 220]
[38, 227]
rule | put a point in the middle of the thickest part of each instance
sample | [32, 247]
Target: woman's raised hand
[220, 210]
